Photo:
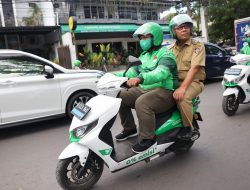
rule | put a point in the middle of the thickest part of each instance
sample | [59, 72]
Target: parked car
[217, 60]
[33, 88]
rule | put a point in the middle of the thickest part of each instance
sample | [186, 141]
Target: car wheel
[75, 99]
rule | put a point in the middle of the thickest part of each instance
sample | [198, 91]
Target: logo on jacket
[155, 59]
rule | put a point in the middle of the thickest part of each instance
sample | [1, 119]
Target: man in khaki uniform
[190, 58]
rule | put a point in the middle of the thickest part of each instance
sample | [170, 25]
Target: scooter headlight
[234, 81]
[238, 79]
[80, 132]
[225, 80]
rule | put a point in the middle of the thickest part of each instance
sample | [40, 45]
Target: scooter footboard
[230, 91]
[75, 149]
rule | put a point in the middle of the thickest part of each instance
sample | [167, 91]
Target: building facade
[29, 26]
[41, 26]
[108, 21]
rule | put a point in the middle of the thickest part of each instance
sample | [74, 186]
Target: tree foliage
[192, 9]
[168, 17]
[36, 17]
[222, 15]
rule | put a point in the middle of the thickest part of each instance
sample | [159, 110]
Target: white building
[109, 21]
[29, 26]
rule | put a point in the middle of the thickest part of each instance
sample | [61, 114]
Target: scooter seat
[163, 117]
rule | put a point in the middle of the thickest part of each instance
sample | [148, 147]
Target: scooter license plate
[80, 110]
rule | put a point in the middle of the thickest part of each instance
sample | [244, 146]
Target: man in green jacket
[151, 87]
[246, 48]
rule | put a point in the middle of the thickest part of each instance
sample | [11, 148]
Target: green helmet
[77, 63]
[150, 28]
[177, 21]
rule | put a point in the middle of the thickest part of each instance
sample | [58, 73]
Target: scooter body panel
[173, 122]
[231, 91]
[75, 149]
[100, 106]
[155, 150]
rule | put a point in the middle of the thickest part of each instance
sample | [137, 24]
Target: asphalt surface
[219, 160]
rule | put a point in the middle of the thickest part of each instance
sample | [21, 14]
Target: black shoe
[125, 134]
[185, 133]
[143, 145]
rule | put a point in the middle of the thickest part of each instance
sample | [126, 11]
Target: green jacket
[246, 50]
[158, 70]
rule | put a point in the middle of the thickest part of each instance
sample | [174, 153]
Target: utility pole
[203, 12]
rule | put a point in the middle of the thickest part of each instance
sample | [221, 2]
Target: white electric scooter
[236, 82]
[81, 163]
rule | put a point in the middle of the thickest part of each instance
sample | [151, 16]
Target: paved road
[219, 160]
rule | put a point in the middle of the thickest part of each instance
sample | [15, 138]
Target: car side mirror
[49, 71]
[221, 54]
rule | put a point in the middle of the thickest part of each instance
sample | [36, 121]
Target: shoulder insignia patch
[197, 50]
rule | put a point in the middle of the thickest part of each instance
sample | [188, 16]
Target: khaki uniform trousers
[147, 103]
[185, 106]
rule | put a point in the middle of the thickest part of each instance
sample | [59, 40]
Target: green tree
[193, 10]
[168, 17]
[36, 18]
[222, 15]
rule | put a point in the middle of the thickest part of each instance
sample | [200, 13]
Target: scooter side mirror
[132, 61]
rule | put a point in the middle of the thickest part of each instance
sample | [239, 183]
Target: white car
[33, 88]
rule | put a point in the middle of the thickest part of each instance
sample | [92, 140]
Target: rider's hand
[133, 82]
[179, 94]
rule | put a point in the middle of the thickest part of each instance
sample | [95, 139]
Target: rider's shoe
[143, 145]
[125, 134]
[185, 133]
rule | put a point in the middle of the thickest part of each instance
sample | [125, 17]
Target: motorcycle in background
[236, 82]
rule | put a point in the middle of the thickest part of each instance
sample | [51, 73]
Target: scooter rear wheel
[72, 176]
[185, 148]
[230, 105]
[186, 145]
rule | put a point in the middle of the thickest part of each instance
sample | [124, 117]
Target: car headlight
[80, 132]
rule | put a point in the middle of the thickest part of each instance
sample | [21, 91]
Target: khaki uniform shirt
[190, 53]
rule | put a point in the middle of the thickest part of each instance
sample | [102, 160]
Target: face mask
[146, 44]
[248, 40]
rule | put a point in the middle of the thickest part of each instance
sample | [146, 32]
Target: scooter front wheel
[230, 105]
[71, 175]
